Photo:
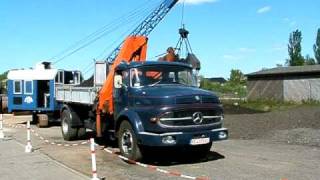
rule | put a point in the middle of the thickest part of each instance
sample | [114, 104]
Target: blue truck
[138, 103]
[157, 104]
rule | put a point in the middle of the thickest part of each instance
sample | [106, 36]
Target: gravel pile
[299, 125]
[302, 136]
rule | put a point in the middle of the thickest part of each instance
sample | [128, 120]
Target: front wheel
[127, 142]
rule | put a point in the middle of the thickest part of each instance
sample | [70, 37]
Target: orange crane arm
[133, 49]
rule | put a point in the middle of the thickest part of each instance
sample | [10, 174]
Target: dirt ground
[274, 145]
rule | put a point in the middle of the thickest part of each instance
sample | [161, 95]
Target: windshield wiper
[151, 85]
[171, 83]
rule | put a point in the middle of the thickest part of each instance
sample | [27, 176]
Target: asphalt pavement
[16, 164]
[231, 159]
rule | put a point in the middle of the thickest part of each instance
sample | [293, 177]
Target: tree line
[3, 77]
[235, 85]
[294, 49]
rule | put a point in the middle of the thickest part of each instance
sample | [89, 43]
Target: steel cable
[99, 33]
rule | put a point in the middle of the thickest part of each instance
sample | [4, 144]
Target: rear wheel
[68, 132]
[81, 133]
[34, 118]
[127, 142]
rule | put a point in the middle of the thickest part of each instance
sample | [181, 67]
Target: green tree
[237, 77]
[316, 47]
[294, 49]
[3, 77]
[204, 83]
[309, 60]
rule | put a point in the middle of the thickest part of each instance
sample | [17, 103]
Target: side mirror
[117, 81]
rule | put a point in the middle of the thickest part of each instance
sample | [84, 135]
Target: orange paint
[133, 49]
[98, 124]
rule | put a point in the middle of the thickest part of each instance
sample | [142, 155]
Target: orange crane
[143, 105]
[133, 48]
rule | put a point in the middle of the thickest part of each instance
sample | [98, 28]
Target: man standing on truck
[171, 56]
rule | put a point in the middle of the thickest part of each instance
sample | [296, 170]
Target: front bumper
[181, 138]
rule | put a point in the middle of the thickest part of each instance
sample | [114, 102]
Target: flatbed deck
[72, 94]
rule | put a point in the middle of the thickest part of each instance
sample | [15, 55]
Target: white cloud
[193, 2]
[230, 57]
[291, 22]
[264, 9]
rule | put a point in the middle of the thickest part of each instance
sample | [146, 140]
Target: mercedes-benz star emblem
[197, 117]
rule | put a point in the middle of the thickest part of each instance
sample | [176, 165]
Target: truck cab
[158, 104]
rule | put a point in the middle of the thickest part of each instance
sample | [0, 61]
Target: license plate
[200, 141]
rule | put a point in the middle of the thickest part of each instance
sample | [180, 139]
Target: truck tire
[34, 118]
[68, 132]
[81, 133]
[128, 143]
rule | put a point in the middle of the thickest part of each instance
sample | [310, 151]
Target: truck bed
[72, 94]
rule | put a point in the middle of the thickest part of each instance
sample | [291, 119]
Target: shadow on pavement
[169, 156]
[177, 158]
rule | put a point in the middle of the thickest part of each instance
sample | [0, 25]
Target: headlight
[222, 135]
[168, 140]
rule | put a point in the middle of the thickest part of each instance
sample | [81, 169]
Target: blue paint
[29, 101]
[144, 106]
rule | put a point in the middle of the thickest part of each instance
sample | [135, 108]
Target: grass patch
[269, 105]
[228, 88]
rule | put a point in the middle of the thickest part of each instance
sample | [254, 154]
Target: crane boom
[147, 25]
[133, 48]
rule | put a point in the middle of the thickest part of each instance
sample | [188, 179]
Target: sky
[224, 34]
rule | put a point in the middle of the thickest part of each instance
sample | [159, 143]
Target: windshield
[157, 75]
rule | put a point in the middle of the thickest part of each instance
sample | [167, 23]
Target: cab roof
[151, 63]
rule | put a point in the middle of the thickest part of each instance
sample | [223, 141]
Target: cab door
[120, 95]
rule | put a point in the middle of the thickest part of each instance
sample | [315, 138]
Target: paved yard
[232, 159]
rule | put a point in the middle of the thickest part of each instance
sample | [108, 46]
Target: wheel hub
[127, 142]
[64, 126]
